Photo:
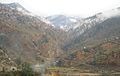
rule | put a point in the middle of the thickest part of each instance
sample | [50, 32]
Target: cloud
[69, 7]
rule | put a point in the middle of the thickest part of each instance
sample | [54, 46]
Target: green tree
[27, 70]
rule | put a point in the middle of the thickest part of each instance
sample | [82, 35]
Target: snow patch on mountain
[73, 20]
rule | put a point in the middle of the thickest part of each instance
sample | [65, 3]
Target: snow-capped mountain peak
[62, 21]
[11, 7]
[18, 7]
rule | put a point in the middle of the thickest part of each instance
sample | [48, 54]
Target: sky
[82, 8]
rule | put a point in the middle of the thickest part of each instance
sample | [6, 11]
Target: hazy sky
[82, 8]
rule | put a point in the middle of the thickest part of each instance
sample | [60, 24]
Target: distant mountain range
[63, 22]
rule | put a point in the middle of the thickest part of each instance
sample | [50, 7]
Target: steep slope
[106, 53]
[98, 27]
[98, 44]
[25, 36]
[105, 30]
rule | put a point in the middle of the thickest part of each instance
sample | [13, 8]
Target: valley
[70, 46]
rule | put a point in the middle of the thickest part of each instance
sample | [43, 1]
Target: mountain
[99, 39]
[108, 20]
[25, 36]
[104, 54]
[69, 41]
[62, 21]
[85, 23]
